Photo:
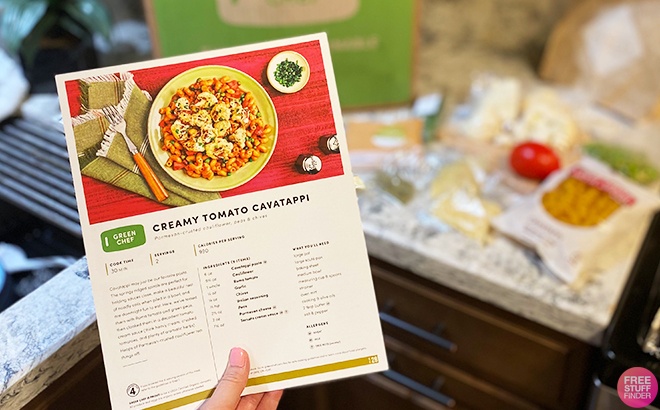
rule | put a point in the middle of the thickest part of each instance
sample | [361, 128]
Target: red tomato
[533, 160]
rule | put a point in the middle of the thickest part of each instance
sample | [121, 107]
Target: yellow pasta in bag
[575, 202]
[576, 215]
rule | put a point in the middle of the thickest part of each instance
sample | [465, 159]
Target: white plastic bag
[14, 86]
[577, 216]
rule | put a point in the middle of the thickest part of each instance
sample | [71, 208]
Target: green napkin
[89, 130]
[108, 145]
[101, 91]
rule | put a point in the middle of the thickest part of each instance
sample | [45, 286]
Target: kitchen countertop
[48, 331]
[44, 334]
[501, 273]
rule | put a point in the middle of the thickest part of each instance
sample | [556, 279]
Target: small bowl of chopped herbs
[288, 72]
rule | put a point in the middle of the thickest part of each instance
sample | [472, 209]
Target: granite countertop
[44, 334]
[47, 332]
[501, 272]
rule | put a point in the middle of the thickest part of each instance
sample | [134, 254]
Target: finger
[270, 400]
[227, 393]
[260, 401]
[250, 401]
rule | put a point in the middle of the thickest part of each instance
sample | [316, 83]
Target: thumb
[232, 383]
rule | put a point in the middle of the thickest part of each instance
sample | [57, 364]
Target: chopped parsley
[288, 73]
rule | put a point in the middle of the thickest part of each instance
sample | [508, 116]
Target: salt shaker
[308, 164]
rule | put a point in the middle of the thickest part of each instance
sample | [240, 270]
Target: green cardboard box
[372, 41]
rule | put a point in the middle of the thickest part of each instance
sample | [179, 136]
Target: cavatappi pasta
[212, 128]
[577, 203]
[581, 219]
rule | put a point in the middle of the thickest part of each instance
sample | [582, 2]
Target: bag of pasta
[580, 219]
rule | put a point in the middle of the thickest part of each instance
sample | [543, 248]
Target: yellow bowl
[218, 183]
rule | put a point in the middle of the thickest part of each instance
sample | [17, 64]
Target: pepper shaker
[329, 144]
[308, 164]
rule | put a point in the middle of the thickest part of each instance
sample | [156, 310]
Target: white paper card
[242, 229]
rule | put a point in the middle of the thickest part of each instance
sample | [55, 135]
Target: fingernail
[237, 357]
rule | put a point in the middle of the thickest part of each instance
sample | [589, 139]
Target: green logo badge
[123, 238]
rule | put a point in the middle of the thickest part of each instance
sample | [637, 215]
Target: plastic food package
[577, 216]
[632, 164]
[494, 103]
[457, 200]
[504, 111]
[14, 87]
[547, 120]
[404, 174]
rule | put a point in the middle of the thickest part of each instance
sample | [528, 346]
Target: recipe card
[218, 209]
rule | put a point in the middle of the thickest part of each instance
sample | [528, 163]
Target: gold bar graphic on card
[293, 374]
[182, 401]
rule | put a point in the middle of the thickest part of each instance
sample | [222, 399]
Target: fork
[119, 124]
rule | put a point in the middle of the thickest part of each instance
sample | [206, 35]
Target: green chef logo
[120, 239]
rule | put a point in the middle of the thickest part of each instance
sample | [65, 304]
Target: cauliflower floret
[200, 145]
[239, 113]
[239, 137]
[206, 100]
[220, 111]
[222, 127]
[180, 130]
[208, 133]
[195, 144]
[246, 116]
[185, 117]
[182, 104]
[221, 148]
[201, 118]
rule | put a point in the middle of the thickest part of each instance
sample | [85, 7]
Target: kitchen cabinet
[491, 353]
[82, 387]
[449, 350]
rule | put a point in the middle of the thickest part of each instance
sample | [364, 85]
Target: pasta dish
[212, 128]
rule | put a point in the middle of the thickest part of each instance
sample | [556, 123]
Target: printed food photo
[208, 128]
[216, 132]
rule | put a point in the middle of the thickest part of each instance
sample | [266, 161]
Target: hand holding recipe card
[258, 243]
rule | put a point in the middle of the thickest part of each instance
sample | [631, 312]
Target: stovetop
[40, 182]
[639, 302]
